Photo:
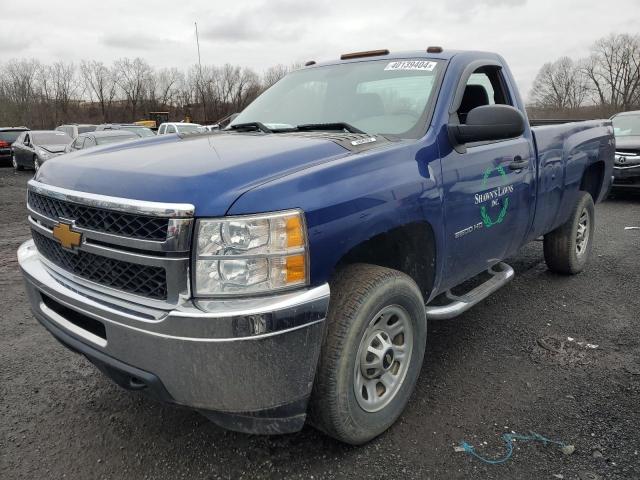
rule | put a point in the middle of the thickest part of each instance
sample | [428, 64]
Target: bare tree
[559, 85]
[45, 95]
[273, 75]
[65, 85]
[100, 83]
[247, 88]
[167, 84]
[133, 80]
[614, 71]
[19, 79]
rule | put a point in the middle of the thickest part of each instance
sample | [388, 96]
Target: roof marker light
[368, 53]
[309, 63]
[434, 50]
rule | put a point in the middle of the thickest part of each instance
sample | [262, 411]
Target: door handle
[518, 163]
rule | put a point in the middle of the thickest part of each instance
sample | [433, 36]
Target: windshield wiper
[251, 126]
[329, 126]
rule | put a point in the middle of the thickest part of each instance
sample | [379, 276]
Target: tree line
[605, 82]
[42, 95]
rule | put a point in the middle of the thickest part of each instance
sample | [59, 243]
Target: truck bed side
[571, 157]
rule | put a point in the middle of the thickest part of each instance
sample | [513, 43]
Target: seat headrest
[474, 96]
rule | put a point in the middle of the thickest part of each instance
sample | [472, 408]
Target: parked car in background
[34, 147]
[179, 127]
[73, 130]
[626, 168]
[8, 135]
[93, 139]
[140, 130]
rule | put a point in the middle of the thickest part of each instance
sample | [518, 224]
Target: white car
[178, 127]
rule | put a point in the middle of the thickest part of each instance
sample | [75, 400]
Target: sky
[258, 34]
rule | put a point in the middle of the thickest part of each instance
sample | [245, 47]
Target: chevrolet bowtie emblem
[68, 238]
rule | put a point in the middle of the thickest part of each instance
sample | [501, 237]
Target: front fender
[352, 199]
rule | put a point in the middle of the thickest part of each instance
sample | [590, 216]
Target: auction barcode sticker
[411, 65]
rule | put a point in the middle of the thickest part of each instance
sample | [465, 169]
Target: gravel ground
[501, 367]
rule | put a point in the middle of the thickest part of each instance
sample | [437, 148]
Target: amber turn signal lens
[296, 269]
[295, 235]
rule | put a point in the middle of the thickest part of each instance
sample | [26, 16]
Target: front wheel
[14, 162]
[567, 248]
[372, 354]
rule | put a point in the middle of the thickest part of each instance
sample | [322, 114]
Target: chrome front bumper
[238, 357]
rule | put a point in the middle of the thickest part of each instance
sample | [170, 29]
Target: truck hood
[209, 171]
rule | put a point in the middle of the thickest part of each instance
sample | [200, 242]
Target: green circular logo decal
[484, 213]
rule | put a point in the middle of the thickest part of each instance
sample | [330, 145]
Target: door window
[171, 129]
[485, 87]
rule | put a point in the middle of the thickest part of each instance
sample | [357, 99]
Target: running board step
[500, 276]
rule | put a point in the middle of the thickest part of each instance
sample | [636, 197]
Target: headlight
[250, 254]
[43, 154]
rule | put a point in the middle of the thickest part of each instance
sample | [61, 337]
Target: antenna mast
[204, 107]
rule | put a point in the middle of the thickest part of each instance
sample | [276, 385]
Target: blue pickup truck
[284, 270]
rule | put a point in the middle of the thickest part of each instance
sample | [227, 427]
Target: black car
[8, 135]
[93, 139]
[139, 130]
[626, 168]
[32, 148]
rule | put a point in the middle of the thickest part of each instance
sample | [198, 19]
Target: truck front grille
[144, 280]
[101, 220]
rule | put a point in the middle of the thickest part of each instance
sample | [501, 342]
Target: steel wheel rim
[383, 358]
[582, 233]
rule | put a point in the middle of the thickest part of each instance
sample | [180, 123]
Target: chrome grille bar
[171, 253]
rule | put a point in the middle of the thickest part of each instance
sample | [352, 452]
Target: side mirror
[487, 123]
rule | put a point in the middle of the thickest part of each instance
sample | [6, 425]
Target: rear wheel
[372, 354]
[14, 162]
[567, 248]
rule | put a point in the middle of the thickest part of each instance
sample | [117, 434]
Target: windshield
[114, 139]
[626, 125]
[188, 128]
[87, 129]
[50, 138]
[140, 131]
[10, 135]
[381, 96]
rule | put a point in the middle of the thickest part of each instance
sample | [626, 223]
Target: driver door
[488, 202]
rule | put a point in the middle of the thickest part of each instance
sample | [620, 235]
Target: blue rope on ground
[508, 439]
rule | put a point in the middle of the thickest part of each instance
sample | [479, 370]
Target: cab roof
[445, 54]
